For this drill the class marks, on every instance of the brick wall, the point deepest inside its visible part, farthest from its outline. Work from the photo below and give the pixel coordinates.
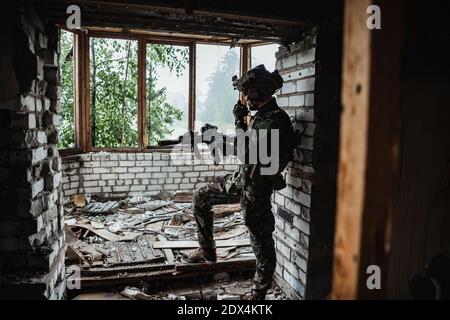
(292, 204)
(305, 210)
(32, 242)
(131, 173)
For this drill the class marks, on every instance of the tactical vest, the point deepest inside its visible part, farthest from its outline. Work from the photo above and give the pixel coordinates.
(250, 171)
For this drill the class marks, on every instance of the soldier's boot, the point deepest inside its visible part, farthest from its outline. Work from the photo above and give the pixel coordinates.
(202, 256)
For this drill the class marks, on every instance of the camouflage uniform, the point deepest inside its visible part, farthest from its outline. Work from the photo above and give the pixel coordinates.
(254, 195)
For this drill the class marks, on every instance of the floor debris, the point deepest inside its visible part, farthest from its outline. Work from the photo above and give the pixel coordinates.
(101, 207)
(140, 237)
(79, 200)
(230, 288)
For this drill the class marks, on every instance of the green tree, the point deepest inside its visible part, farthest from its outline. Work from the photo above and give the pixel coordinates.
(67, 130)
(113, 91)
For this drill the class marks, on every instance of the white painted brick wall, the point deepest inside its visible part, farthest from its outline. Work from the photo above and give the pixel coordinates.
(297, 67)
(132, 173)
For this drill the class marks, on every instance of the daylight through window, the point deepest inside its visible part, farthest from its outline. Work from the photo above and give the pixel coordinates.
(144, 92)
(215, 96)
(113, 92)
(167, 91)
(67, 136)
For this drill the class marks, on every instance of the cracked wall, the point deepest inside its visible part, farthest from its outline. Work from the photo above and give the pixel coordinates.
(32, 242)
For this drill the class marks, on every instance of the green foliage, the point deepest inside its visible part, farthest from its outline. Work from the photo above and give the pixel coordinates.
(67, 130)
(113, 89)
(113, 92)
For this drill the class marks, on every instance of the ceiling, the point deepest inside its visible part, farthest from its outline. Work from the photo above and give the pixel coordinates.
(280, 21)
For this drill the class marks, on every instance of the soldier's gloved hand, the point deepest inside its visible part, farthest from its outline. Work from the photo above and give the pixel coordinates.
(240, 111)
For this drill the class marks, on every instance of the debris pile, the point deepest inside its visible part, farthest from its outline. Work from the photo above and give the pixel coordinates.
(221, 288)
(148, 233)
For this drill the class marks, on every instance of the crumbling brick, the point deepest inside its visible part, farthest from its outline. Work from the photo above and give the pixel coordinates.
(30, 167)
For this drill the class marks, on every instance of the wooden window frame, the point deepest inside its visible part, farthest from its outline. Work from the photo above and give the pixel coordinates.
(76, 97)
(141, 55)
(191, 88)
(82, 84)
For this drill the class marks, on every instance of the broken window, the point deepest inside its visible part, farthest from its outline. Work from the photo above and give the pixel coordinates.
(134, 105)
(67, 137)
(215, 96)
(264, 54)
(113, 92)
(167, 92)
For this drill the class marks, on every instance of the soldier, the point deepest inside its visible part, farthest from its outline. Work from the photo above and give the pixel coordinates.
(248, 185)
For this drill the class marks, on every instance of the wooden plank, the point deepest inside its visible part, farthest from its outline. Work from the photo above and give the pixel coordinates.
(370, 134)
(245, 58)
(142, 91)
(350, 181)
(194, 244)
(83, 73)
(221, 266)
(192, 84)
(114, 270)
(245, 66)
(77, 85)
(127, 236)
(123, 278)
(180, 272)
(169, 256)
(87, 96)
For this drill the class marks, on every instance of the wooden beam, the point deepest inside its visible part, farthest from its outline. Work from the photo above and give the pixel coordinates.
(142, 91)
(369, 147)
(192, 84)
(190, 25)
(77, 90)
(197, 27)
(245, 58)
(194, 244)
(221, 266)
(84, 92)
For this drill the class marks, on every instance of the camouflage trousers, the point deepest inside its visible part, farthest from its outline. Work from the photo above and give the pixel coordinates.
(257, 213)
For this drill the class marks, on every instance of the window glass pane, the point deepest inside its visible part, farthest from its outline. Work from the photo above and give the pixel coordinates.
(113, 92)
(215, 96)
(66, 62)
(264, 55)
(167, 92)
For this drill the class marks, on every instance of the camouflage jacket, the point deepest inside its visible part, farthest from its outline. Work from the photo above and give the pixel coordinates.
(269, 117)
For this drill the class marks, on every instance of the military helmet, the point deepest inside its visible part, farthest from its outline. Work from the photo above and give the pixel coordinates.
(266, 82)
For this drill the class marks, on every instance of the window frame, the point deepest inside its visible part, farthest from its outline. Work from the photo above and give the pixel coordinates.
(82, 83)
(253, 45)
(244, 56)
(191, 76)
(76, 95)
(124, 36)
